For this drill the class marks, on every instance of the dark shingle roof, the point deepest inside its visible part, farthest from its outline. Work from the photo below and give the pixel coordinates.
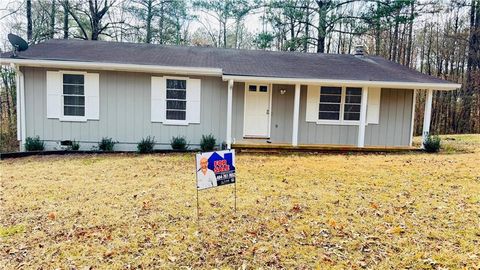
(231, 61)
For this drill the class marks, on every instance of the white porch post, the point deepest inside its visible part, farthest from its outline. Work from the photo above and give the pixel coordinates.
(363, 118)
(427, 115)
(296, 114)
(229, 113)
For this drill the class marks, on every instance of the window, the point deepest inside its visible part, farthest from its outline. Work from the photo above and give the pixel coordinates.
(330, 101)
(353, 100)
(176, 99)
(257, 88)
(73, 95)
(340, 104)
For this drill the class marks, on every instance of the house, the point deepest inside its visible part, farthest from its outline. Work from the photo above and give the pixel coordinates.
(86, 90)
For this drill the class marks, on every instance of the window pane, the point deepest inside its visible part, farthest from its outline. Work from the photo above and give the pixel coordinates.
(252, 88)
(74, 111)
(353, 99)
(354, 91)
(176, 94)
(73, 100)
(263, 88)
(176, 115)
(73, 89)
(331, 90)
(352, 108)
(176, 84)
(328, 115)
(176, 105)
(351, 116)
(329, 107)
(73, 78)
(330, 98)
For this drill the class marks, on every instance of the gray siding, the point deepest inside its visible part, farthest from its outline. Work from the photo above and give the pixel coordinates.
(282, 113)
(394, 128)
(124, 111)
(237, 111)
(312, 133)
(125, 115)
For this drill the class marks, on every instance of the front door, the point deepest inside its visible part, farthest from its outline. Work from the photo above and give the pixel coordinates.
(257, 111)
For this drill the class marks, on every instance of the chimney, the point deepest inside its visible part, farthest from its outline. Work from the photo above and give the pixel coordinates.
(359, 50)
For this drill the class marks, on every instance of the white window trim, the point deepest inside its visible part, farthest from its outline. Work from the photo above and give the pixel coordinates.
(172, 122)
(340, 122)
(73, 118)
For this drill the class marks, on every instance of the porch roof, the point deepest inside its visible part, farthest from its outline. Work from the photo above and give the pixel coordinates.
(226, 62)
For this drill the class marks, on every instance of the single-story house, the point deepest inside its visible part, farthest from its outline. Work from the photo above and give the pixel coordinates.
(86, 90)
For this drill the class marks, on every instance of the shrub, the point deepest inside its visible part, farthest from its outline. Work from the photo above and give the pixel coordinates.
(106, 144)
(432, 144)
(146, 145)
(75, 146)
(208, 143)
(34, 144)
(178, 143)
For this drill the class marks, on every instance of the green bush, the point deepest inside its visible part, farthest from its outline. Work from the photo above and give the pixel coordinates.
(207, 143)
(432, 144)
(146, 145)
(106, 144)
(34, 144)
(178, 143)
(75, 146)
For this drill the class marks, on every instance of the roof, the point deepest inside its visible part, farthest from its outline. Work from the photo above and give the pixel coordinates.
(231, 61)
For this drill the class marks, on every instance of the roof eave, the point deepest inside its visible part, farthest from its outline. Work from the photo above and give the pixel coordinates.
(339, 82)
(200, 71)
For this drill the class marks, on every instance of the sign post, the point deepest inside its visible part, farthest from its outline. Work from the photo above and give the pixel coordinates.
(214, 169)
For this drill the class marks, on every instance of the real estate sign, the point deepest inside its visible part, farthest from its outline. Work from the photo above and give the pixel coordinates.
(215, 168)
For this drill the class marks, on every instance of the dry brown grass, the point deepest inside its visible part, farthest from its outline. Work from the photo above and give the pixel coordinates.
(413, 210)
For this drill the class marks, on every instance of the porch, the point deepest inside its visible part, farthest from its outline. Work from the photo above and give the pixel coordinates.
(285, 119)
(266, 145)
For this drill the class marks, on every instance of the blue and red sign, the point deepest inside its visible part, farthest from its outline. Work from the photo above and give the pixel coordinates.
(215, 168)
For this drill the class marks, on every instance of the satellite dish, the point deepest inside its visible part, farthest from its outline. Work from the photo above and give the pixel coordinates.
(18, 43)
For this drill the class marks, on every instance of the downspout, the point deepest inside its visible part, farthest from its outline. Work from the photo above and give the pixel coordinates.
(20, 89)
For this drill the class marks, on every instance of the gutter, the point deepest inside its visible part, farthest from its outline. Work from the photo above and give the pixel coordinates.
(340, 82)
(114, 66)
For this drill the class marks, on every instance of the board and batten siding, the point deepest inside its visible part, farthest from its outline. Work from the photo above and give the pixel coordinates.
(393, 128)
(125, 113)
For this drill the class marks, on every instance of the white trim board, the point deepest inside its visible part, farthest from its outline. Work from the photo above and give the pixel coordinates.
(115, 67)
(331, 82)
(219, 72)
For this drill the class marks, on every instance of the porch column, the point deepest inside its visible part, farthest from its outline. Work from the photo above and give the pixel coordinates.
(296, 113)
(229, 113)
(363, 118)
(427, 115)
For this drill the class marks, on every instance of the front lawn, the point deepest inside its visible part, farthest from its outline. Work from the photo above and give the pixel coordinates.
(404, 210)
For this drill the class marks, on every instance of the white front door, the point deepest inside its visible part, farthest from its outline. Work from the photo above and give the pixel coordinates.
(257, 111)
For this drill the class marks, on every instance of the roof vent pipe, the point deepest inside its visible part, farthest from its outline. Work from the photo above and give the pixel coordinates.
(359, 50)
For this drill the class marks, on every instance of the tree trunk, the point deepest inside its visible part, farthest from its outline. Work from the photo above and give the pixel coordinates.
(322, 26)
(148, 38)
(52, 19)
(410, 34)
(65, 19)
(29, 20)
(161, 22)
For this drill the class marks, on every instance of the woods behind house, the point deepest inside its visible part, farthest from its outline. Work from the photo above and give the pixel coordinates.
(439, 38)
